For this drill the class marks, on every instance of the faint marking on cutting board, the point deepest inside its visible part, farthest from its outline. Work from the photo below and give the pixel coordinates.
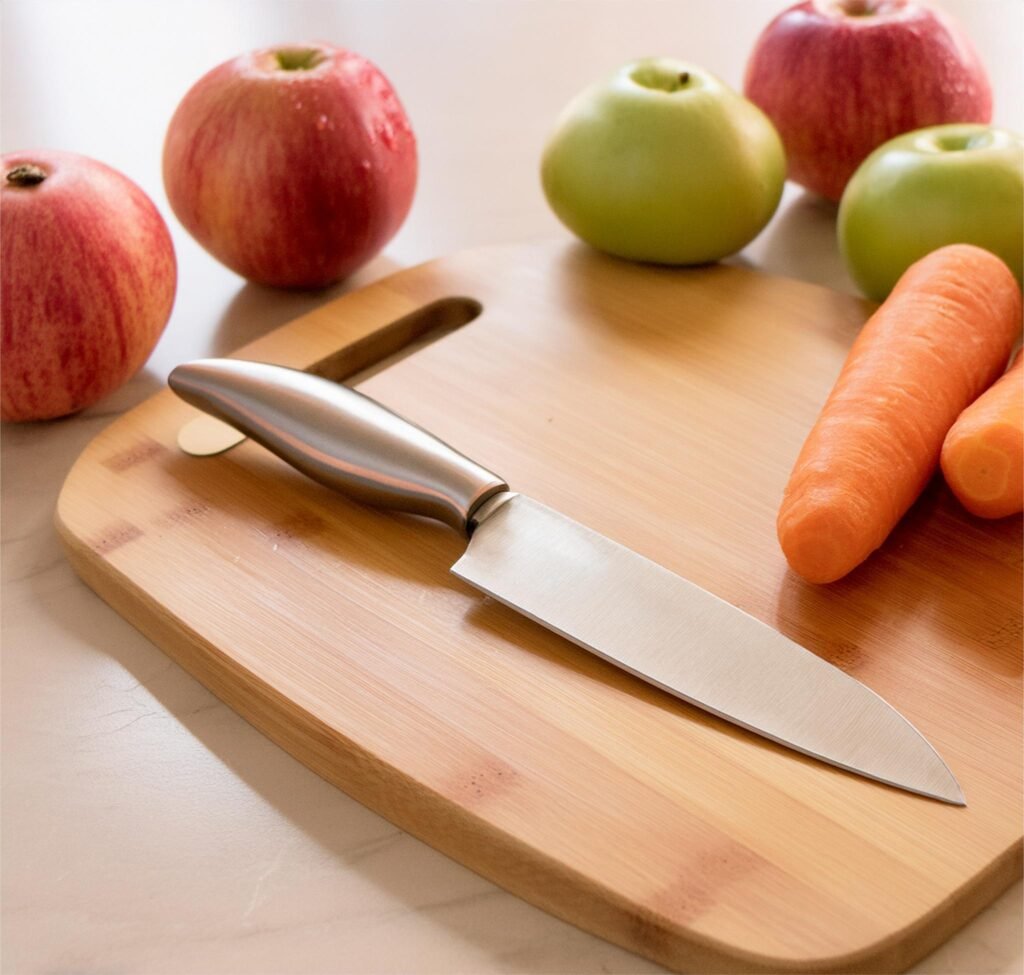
(185, 513)
(703, 885)
(117, 534)
(145, 449)
(486, 781)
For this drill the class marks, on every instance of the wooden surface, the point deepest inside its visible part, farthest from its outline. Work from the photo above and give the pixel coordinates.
(663, 409)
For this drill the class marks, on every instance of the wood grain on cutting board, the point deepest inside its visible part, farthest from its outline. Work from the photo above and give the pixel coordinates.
(663, 408)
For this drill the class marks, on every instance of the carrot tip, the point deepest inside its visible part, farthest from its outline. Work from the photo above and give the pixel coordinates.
(819, 546)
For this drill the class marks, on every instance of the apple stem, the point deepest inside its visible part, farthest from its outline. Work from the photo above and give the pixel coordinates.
(298, 59)
(25, 174)
(660, 78)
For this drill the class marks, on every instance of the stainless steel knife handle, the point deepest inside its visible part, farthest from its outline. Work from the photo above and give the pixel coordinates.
(340, 438)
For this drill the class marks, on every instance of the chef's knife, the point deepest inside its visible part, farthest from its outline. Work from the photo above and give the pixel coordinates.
(602, 596)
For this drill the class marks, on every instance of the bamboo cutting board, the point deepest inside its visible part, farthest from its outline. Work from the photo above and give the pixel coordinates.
(663, 408)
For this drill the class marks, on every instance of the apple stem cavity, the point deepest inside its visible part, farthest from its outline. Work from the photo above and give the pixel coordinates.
(25, 174)
(960, 141)
(864, 8)
(298, 58)
(660, 78)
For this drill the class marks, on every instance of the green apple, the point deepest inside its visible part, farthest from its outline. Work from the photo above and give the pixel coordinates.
(663, 162)
(946, 184)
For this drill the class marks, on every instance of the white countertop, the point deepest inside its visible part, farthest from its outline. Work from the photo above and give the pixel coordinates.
(146, 827)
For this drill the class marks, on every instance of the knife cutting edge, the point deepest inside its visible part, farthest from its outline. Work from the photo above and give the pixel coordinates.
(600, 595)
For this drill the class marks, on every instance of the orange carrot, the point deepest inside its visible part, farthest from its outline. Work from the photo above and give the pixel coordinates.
(941, 337)
(983, 454)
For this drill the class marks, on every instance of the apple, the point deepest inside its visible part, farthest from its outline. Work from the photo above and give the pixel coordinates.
(840, 77)
(939, 185)
(88, 283)
(292, 165)
(663, 162)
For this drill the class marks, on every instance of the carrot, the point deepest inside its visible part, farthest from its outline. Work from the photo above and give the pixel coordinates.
(941, 337)
(983, 454)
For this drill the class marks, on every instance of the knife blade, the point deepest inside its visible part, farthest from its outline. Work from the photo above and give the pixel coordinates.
(600, 595)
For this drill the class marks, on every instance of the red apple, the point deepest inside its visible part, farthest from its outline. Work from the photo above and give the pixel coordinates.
(88, 282)
(840, 77)
(292, 165)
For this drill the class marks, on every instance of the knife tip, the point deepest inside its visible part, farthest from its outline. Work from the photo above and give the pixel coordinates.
(943, 786)
(955, 796)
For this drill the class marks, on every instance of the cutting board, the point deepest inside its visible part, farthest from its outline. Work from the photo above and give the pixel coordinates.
(663, 408)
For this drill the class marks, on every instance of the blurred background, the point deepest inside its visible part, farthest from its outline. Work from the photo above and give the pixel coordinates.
(482, 81)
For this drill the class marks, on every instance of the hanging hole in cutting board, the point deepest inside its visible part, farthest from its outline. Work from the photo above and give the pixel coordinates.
(205, 435)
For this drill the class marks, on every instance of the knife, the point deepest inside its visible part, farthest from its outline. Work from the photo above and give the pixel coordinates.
(597, 593)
